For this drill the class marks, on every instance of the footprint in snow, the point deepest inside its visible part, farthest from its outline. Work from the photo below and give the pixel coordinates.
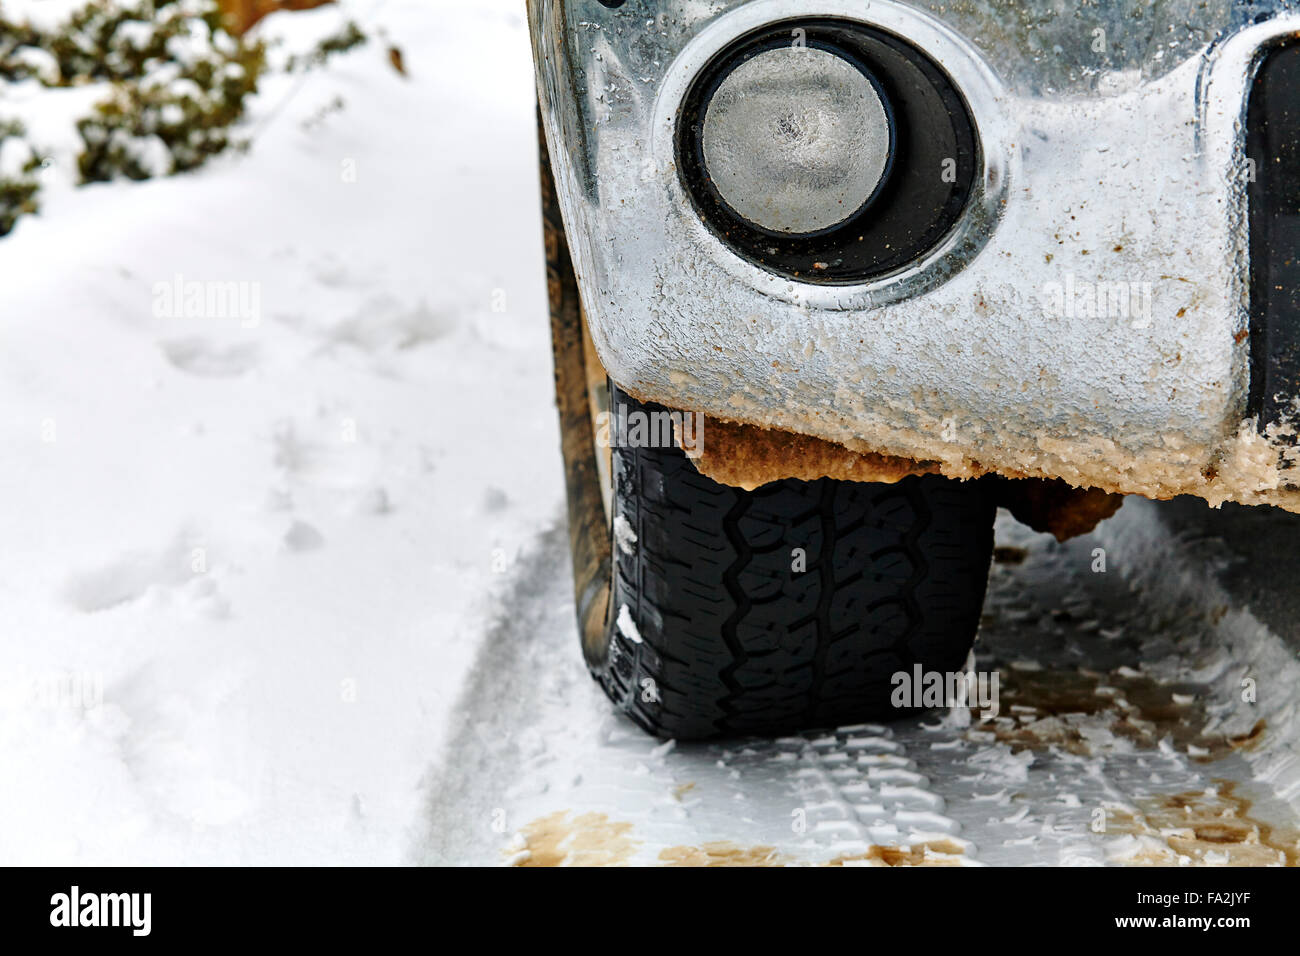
(177, 574)
(200, 357)
(303, 537)
(384, 323)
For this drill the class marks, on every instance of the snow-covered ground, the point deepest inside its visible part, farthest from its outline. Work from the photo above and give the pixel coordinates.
(248, 558)
(289, 584)
(1121, 739)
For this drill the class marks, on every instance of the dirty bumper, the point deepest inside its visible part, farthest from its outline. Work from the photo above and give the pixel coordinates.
(1087, 317)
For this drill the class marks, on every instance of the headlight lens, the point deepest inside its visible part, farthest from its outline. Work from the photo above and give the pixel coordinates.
(796, 139)
(826, 150)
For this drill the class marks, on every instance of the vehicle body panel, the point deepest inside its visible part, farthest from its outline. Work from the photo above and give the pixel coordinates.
(1088, 316)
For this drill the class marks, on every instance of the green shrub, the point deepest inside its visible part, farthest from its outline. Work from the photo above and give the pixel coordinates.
(14, 37)
(170, 115)
(347, 38)
(179, 81)
(18, 184)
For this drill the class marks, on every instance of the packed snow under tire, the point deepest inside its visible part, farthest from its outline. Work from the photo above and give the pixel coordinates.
(728, 612)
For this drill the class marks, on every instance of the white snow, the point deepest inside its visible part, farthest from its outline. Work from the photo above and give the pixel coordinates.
(1177, 577)
(624, 535)
(247, 566)
(41, 13)
(627, 626)
(284, 577)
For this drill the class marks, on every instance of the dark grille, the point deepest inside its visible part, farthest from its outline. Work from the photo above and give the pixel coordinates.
(1273, 146)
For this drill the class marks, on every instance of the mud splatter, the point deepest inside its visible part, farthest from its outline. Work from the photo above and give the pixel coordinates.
(1087, 713)
(722, 853)
(1251, 740)
(748, 456)
(725, 853)
(1213, 827)
(590, 839)
(931, 853)
(1054, 506)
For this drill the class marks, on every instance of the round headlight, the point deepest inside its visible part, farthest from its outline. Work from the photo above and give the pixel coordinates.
(796, 139)
(826, 150)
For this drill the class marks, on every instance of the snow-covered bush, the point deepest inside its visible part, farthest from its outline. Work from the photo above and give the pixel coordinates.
(348, 37)
(168, 122)
(175, 110)
(17, 39)
(178, 80)
(18, 184)
(109, 40)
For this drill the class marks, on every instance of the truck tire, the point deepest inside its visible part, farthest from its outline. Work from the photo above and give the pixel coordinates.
(716, 611)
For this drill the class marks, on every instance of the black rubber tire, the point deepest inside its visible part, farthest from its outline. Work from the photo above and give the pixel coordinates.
(734, 640)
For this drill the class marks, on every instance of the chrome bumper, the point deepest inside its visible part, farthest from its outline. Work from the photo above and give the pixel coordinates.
(1113, 173)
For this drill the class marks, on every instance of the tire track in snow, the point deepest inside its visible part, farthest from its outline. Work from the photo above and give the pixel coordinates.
(1091, 760)
(865, 793)
(536, 737)
(516, 675)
